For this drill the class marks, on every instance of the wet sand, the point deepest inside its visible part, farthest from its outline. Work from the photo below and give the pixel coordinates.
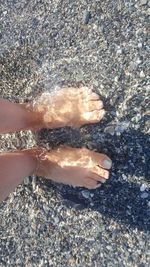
(104, 44)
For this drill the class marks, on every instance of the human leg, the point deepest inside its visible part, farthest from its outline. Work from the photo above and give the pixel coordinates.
(78, 167)
(14, 166)
(16, 117)
(67, 107)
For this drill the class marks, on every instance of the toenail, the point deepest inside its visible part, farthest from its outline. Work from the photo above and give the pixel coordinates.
(107, 163)
(101, 104)
(103, 112)
(98, 185)
(103, 181)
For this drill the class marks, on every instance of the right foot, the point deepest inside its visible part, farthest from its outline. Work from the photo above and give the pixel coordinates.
(68, 107)
(78, 167)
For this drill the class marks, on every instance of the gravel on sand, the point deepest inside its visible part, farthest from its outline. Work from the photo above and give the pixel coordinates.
(104, 44)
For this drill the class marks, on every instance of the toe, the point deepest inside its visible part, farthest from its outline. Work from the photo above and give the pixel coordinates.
(93, 116)
(102, 160)
(92, 96)
(94, 105)
(97, 178)
(91, 184)
(100, 172)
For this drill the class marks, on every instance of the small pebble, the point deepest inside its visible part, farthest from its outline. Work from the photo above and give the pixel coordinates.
(143, 187)
(142, 74)
(5, 12)
(119, 51)
(148, 11)
(56, 220)
(142, 2)
(71, 261)
(86, 17)
(46, 208)
(140, 45)
(116, 78)
(108, 247)
(110, 129)
(147, 88)
(95, 82)
(26, 180)
(79, 77)
(90, 145)
(144, 195)
(85, 193)
(148, 253)
(138, 61)
(122, 126)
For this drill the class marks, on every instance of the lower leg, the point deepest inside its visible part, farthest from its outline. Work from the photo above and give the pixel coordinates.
(15, 117)
(73, 166)
(13, 168)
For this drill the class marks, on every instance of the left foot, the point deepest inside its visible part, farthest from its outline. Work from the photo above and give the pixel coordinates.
(74, 166)
(69, 107)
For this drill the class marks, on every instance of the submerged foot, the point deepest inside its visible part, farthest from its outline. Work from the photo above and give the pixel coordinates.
(74, 166)
(69, 107)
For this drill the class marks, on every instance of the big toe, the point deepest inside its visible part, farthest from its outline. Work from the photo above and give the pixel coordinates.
(102, 160)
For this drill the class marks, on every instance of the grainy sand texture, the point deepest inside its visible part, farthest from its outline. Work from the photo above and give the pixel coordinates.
(45, 44)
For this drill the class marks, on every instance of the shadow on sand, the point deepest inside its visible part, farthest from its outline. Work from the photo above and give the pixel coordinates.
(120, 198)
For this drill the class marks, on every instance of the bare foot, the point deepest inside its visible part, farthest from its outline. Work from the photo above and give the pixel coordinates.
(74, 166)
(69, 107)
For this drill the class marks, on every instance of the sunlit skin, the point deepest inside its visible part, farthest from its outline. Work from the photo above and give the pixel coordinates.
(73, 166)
(72, 107)
(68, 107)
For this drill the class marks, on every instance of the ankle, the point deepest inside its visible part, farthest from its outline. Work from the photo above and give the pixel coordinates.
(39, 155)
(35, 154)
(34, 119)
